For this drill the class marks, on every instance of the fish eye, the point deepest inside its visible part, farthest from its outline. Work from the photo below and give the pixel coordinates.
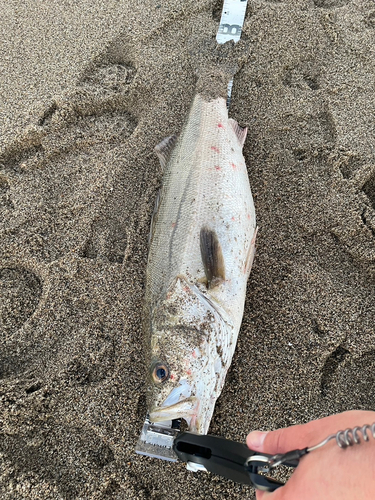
(160, 373)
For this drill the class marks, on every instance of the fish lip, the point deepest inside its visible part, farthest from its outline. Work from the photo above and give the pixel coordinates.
(185, 408)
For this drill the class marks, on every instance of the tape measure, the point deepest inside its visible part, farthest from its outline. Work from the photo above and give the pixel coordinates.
(231, 22)
(230, 28)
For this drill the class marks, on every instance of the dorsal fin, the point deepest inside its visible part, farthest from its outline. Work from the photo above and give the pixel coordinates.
(240, 132)
(212, 257)
(164, 149)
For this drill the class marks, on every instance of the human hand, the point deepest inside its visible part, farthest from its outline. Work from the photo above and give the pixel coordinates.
(328, 473)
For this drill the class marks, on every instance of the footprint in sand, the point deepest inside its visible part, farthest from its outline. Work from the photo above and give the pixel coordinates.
(5, 201)
(330, 4)
(370, 20)
(56, 183)
(351, 375)
(344, 191)
(369, 188)
(90, 359)
(359, 182)
(305, 75)
(109, 78)
(330, 367)
(20, 292)
(368, 212)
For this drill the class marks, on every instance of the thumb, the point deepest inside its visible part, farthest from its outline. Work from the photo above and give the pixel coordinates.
(279, 441)
(310, 434)
(283, 440)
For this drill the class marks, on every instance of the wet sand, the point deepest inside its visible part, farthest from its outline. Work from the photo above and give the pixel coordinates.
(86, 94)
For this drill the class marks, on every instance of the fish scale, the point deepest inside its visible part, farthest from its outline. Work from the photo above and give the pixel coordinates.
(195, 193)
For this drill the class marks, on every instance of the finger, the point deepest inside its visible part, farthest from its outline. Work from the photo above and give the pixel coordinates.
(300, 436)
(261, 495)
(275, 495)
(255, 440)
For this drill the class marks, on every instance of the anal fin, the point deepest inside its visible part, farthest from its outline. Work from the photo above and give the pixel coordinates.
(154, 216)
(240, 132)
(212, 257)
(251, 252)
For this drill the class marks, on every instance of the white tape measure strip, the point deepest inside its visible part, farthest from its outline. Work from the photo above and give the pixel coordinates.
(231, 23)
(232, 19)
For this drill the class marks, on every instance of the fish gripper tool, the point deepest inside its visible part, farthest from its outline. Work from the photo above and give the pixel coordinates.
(237, 462)
(226, 458)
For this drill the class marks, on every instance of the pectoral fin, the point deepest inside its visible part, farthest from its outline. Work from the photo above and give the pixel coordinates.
(164, 149)
(212, 257)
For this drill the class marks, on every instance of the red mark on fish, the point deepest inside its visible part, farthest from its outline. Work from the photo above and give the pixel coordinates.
(220, 125)
(233, 166)
(214, 148)
(217, 167)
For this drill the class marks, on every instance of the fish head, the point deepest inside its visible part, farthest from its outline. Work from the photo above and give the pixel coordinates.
(189, 358)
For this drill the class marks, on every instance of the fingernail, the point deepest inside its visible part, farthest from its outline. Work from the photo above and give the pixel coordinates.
(255, 439)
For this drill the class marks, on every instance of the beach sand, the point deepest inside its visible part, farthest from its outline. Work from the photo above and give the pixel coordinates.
(87, 91)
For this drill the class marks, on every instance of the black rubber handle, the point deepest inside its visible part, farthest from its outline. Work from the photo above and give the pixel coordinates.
(218, 455)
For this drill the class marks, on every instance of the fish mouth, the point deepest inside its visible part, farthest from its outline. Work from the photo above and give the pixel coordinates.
(187, 408)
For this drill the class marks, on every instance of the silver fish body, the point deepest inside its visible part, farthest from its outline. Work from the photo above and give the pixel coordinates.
(202, 244)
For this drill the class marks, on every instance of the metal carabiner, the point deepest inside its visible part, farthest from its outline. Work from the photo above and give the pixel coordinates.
(258, 466)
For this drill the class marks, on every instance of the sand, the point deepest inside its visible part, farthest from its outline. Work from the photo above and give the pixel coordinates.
(87, 91)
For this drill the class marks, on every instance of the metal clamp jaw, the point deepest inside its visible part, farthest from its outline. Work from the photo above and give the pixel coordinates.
(258, 466)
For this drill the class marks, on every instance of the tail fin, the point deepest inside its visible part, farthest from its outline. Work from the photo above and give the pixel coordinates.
(215, 65)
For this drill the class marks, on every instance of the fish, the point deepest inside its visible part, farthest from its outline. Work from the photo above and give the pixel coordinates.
(201, 250)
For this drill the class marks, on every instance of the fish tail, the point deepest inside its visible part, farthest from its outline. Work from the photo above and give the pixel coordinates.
(214, 65)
